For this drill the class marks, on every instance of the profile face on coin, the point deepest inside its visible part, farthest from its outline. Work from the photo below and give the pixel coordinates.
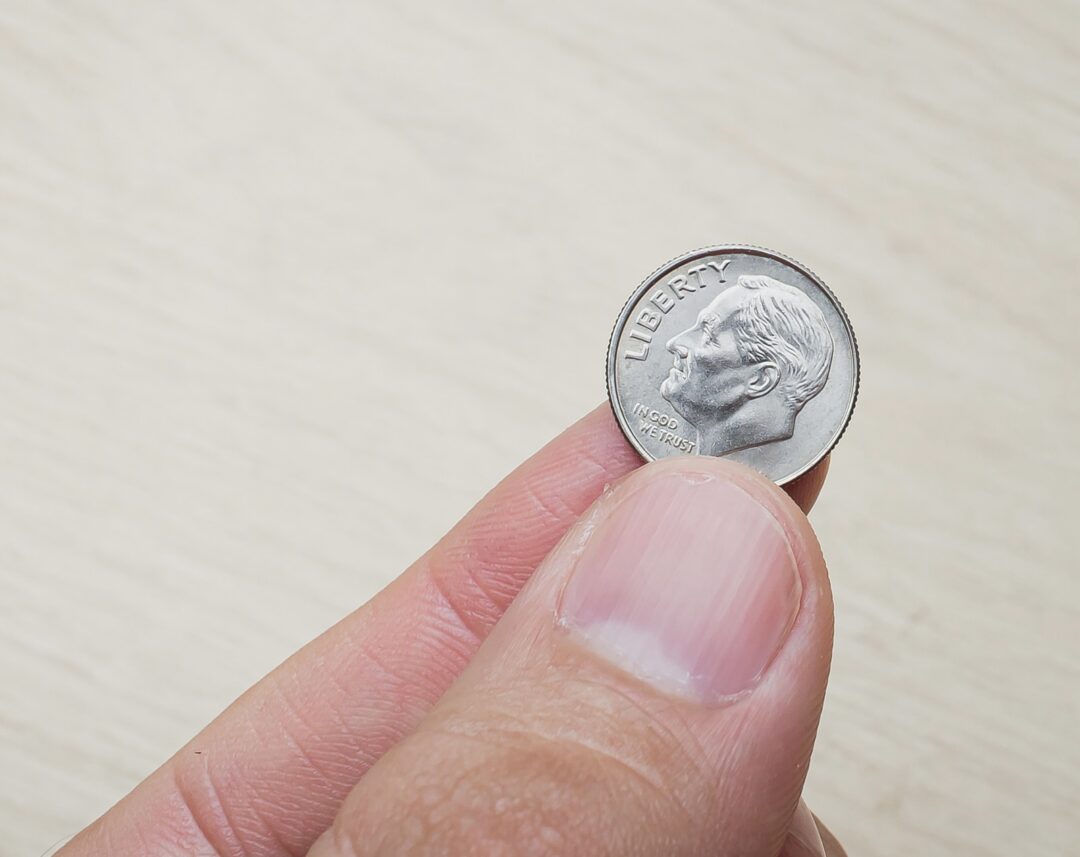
(736, 352)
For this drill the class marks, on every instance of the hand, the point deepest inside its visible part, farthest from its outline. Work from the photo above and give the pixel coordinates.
(654, 690)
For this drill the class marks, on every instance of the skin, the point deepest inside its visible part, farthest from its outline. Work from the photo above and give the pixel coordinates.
(358, 741)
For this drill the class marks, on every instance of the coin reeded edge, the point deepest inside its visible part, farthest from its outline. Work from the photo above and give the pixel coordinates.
(751, 249)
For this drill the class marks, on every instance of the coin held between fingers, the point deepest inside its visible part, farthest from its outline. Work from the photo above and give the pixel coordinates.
(737, 352)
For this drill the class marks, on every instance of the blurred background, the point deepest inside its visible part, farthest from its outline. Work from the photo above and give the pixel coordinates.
(287, 287)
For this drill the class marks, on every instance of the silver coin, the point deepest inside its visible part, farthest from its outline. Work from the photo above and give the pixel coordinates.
(737, 352)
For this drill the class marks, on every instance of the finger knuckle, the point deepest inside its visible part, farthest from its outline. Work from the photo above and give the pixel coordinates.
(544, 782)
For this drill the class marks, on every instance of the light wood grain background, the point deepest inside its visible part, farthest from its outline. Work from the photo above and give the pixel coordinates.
(287, 286)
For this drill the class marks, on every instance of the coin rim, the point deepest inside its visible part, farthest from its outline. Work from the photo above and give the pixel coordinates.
(670, 265)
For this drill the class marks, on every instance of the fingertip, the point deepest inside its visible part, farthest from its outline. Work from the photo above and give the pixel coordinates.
(804, 839)
(832, 845)
(805, 489)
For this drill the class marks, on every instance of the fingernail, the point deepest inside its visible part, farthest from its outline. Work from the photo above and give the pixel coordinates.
(689, 584)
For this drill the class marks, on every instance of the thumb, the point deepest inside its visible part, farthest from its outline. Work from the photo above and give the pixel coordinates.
(654, 690)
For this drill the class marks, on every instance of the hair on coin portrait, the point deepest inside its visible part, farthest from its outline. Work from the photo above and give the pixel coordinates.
(752, 360)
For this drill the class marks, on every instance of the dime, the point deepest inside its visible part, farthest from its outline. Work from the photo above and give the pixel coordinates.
(737, 352)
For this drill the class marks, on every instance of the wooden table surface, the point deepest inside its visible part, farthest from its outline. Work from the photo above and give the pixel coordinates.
(286, 287)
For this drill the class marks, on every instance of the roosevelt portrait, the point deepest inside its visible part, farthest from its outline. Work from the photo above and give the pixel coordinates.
(755, 356)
